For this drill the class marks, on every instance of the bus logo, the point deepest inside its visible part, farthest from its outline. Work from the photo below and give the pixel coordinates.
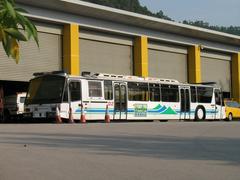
(140, 110)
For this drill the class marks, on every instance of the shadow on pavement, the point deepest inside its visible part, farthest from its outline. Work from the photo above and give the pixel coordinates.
(163, 147)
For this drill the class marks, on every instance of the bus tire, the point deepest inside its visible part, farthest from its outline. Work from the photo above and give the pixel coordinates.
(6, 116)
(200, 113)
(230, 117)
(1, 117)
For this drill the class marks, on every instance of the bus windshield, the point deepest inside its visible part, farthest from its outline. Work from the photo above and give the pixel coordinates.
(45, 90)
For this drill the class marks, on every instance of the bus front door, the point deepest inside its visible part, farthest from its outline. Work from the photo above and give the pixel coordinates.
(218, 104)
(75, 98)
(120, 101)
(185, 103)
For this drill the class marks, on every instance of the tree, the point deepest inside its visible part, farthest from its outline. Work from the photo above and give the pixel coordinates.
(14, 27)
(231, 29)
(135, 6)
(130, 5)
(161, 15)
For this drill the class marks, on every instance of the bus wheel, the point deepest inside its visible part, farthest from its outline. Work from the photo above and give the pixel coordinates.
(1, 118)
(200, 113)
(230, 117)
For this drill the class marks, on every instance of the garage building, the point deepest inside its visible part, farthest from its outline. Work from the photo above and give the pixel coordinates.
(77, 36)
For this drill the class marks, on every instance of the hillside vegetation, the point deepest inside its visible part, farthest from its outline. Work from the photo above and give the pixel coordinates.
(135, 6)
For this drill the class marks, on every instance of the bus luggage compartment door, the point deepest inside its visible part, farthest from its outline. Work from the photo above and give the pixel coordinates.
(120, 101)
(185, 103)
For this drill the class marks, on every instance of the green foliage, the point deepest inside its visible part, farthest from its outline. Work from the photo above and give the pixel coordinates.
(231, 29)
(134, 6)
(14, 27)
(130, 5)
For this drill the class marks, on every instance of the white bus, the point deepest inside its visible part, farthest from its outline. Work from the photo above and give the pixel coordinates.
(122, 97)
(14, 105)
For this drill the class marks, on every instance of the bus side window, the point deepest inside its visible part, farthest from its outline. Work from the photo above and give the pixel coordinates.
(108, 90)
(137, 91)
(169, 93)
(218, 97)
(204, 94)
(95, 89)
(75, 90)
(193, 94)
(154, 92)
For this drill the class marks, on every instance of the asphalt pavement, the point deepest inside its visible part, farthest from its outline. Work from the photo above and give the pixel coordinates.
(120, 151)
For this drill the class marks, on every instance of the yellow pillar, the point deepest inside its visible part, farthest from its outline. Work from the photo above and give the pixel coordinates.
(236, 76)
(194, 64)
(141, 56)
(71, 61)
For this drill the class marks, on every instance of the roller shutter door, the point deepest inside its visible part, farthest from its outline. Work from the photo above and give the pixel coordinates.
(48, 57)
(167, 61)
(104, 53)
(216, 68)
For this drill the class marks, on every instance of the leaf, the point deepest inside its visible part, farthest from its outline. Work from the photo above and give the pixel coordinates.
(4, 17)
(31, 27)
(20, 10)
(10, 9)
(29, 33)
(21, 20)
(2, 11)
(4, 36)
(15, 51)
(28, 27)
(0, 36)
(10, 1)
(7, 44)
(16, 34)
(11, 20)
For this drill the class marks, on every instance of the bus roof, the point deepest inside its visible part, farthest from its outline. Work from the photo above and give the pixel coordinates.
(116, 77)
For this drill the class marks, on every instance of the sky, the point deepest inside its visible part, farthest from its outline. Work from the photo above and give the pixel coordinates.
(216, 12)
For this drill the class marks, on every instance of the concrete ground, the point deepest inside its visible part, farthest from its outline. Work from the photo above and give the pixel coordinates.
(120, 151)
